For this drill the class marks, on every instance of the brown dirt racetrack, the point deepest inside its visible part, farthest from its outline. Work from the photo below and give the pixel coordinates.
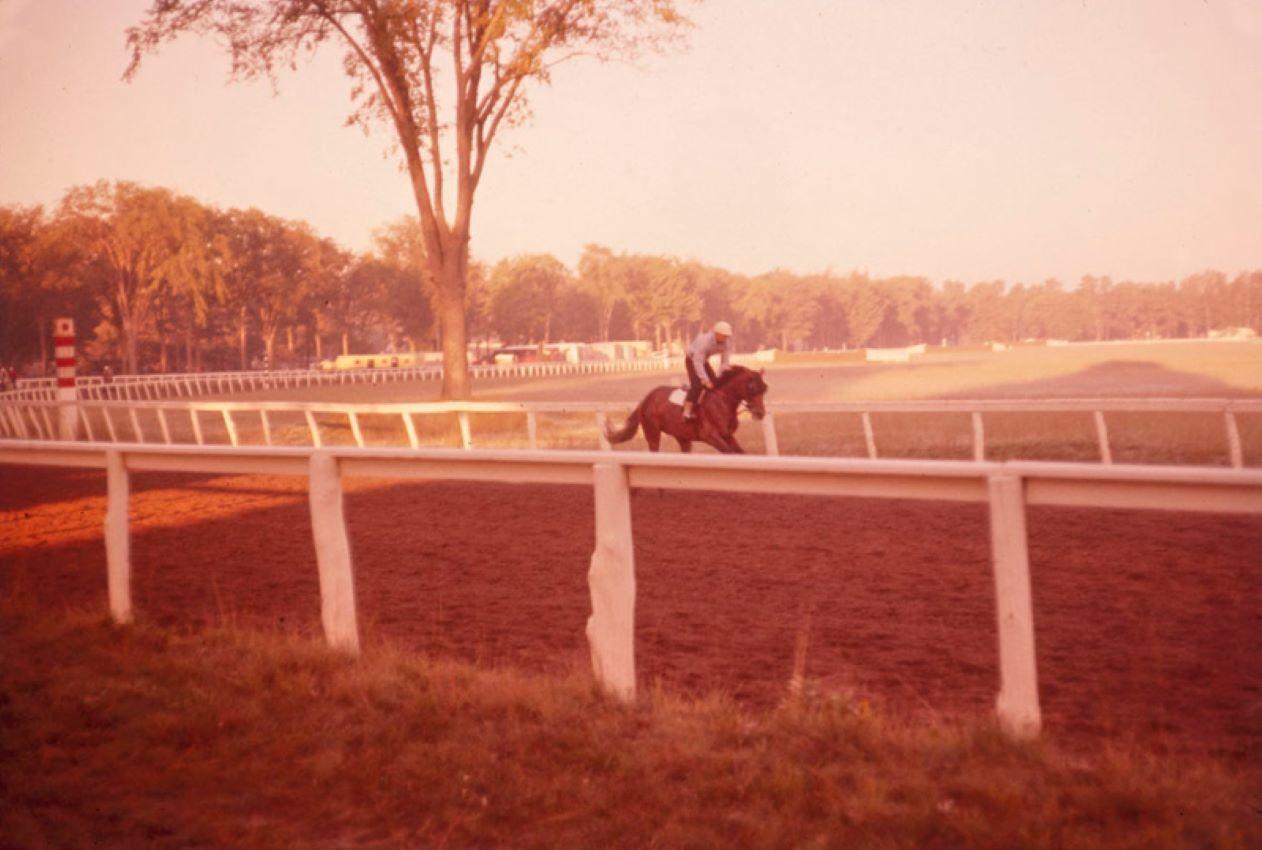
(1149, 624)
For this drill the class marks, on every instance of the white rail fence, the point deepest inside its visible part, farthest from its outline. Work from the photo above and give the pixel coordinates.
(1006, 487)
(193, 384)
(153, 422)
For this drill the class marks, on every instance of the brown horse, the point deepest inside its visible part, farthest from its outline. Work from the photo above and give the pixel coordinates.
(716, 413)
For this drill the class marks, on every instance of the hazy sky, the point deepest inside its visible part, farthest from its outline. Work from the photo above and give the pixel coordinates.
(967, 140)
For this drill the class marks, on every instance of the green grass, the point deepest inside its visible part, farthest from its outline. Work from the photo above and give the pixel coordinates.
(128, 737)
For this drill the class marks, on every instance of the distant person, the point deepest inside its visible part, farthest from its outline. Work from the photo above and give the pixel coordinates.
(697, 363)
(107, 374)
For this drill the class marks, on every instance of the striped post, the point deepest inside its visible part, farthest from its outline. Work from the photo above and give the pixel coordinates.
(63, 351)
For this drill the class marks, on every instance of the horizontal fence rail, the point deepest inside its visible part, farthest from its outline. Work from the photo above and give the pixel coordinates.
(1006, 487)
(152, 421)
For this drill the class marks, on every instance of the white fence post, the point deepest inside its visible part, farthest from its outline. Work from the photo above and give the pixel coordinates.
(466, 436)
(333, 554)
(868, 437)
(532, 429)
(611, 580)
(117, 538)
(1017, 705)
(769, 434)
(1233, 440)
(979, 437)
(1102, 435)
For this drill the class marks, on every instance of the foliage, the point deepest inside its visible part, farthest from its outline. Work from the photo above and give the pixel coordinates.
(155, 279)
(444, 76)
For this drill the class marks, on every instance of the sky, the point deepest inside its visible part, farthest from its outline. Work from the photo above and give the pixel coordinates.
(960, 140)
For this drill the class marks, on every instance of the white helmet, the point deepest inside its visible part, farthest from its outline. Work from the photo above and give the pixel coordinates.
(723, 328)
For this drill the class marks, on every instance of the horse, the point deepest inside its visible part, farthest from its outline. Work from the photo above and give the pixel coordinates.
(715, 422)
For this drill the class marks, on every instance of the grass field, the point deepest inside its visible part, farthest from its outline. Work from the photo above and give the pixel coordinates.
(122, 738)
(1189, 370)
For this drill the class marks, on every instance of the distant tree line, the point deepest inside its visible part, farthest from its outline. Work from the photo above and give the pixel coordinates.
(160, 281)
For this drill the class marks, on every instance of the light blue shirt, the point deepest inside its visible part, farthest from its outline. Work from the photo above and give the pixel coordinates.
(704, 347)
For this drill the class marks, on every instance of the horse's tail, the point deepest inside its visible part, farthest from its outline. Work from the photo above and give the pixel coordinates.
(628, 429)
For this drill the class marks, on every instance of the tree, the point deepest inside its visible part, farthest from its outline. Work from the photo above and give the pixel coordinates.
(398, 52)
(864, 304)
(37, 281)
(525, 294)
(133, 236)
(598, 277)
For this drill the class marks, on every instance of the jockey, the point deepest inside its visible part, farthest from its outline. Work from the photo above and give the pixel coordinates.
(697, 363)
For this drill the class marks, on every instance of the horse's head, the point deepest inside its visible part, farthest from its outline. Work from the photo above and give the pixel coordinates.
(752, 388)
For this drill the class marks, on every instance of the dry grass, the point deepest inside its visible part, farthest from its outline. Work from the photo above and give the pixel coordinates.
(138, 737)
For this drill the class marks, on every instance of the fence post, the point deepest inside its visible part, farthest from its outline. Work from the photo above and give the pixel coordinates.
(231, 426)
(355, 430)
(313, 428)
(868, 436)
(67, 390)
(532, 429)
(1233, 440)
(466, 437)
(117, 538)
(769, 434)
(1017, 705)
(1102, 435)
(979, 437)
(333, 554)
(611, 580)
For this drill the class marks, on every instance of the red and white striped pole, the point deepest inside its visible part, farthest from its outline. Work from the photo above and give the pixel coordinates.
(63, 350)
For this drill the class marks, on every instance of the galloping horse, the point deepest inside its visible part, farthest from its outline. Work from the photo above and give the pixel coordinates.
(716, 413)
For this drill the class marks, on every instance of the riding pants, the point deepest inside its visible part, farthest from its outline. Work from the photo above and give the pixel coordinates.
(695, 386)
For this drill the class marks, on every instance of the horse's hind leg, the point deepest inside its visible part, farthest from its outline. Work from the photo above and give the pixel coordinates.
(733, 445)
(685, 446)
(652, 434)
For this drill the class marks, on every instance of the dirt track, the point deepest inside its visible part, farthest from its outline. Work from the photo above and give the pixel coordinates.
(1147, 623)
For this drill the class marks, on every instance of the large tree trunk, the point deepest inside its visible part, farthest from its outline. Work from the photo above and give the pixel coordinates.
(451, 322)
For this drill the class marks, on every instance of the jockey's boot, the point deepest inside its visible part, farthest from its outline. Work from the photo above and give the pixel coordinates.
(689, 412)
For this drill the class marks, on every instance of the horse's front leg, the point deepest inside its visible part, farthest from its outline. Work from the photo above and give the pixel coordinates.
(719, 441)
(734, 446)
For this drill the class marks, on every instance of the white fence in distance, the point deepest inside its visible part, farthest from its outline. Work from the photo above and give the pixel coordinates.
(171, 385)
(1006, 487)
(124, 422)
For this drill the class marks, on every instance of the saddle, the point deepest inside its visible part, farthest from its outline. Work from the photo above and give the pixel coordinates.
(680, 394)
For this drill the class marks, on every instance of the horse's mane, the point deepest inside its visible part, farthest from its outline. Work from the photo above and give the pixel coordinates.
(727, 376)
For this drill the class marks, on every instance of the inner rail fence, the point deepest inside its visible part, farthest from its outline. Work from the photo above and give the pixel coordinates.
(1007, 488)
(239, 423)
(169, 385)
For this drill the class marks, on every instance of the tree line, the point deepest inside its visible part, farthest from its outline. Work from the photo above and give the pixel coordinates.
(159, 281)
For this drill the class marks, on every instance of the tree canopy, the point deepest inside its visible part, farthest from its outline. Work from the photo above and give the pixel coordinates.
(158, 280)
(445, 76)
